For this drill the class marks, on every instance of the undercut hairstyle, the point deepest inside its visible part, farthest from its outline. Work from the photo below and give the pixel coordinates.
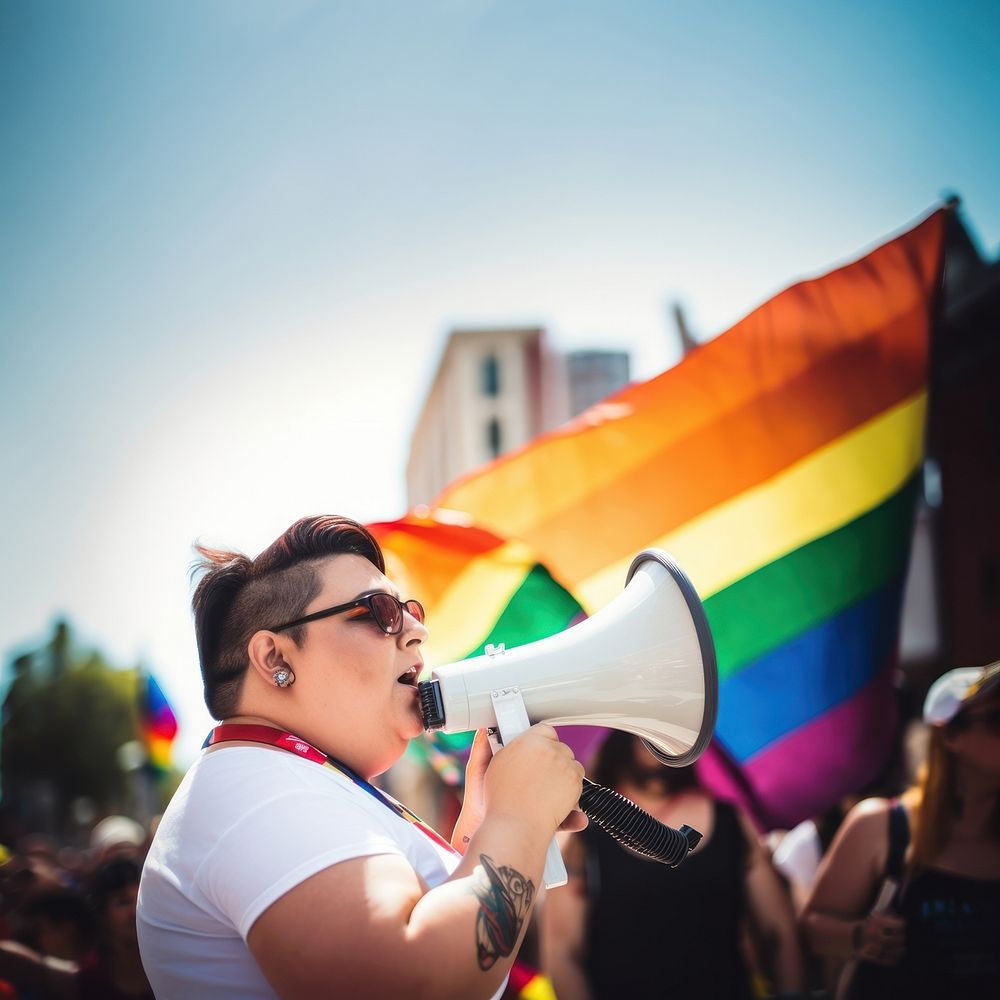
(238, 596)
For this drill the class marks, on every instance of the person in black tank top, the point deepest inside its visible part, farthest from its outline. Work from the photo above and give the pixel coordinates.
(934, 860)
(629, 927)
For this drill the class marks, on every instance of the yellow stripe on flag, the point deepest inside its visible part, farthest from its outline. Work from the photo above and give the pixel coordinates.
(479, 594)
(811, 498)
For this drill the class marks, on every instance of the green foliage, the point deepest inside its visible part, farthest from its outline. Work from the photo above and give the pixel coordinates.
(65, 715)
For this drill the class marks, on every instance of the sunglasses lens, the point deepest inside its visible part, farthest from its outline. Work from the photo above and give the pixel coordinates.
(387, 613)
(416, 609)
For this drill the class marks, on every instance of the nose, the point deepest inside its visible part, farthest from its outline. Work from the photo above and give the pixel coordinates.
(413, 632)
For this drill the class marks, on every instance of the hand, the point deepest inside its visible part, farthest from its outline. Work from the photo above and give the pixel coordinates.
(536, 777)
(880, 938)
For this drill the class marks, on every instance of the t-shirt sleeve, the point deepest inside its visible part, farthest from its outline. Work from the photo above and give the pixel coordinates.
(282, 841)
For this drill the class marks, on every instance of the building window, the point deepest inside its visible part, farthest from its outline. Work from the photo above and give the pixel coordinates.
(494, 437)
(490, 372)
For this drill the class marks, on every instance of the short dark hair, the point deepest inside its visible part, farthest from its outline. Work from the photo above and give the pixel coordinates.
(236, 596)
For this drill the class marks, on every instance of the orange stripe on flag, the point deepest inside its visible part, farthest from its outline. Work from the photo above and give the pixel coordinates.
(816, 361)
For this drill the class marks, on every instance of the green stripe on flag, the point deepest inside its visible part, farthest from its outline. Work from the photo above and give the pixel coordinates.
(811, 584)
(539, 607)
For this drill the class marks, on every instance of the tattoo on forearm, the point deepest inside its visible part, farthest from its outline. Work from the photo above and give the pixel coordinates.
(505, 897)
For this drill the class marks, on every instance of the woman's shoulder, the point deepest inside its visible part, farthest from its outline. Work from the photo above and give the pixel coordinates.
(862, 840)
(868, 814)
(232, 784)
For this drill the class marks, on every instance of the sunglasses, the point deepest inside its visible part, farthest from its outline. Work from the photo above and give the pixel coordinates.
(990, 719)
(386, 610)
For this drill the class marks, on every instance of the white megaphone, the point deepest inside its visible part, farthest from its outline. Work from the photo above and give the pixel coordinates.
(644, 664)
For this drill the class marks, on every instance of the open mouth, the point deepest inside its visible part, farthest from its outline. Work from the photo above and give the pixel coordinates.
(409, 676)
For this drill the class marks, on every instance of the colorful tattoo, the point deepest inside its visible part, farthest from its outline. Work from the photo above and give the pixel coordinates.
(505, 897)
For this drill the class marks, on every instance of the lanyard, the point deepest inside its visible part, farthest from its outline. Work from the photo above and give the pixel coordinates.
(229, 732)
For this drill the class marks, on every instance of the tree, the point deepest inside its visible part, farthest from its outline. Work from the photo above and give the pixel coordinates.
(64, 717)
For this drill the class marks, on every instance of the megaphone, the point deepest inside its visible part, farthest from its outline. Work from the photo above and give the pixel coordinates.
(644, 664)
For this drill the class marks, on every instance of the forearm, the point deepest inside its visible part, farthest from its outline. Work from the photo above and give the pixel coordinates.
(473, 924)
(28, 970)
(788, 967)
(466, 826)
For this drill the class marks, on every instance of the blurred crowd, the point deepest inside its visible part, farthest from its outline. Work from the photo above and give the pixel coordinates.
(67, 916)
(895, 891)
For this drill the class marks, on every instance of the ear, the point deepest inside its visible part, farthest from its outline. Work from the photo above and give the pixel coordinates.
(266, 652)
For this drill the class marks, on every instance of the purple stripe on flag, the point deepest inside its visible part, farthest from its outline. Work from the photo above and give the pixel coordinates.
(849, 746)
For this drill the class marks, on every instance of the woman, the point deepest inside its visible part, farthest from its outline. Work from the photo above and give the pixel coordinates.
(278, 869)
(938, 934)
(628, 927)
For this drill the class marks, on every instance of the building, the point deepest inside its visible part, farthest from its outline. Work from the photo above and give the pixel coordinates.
(495, 390)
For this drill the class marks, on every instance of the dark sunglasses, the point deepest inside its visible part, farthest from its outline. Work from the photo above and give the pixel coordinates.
(990, 719)
(384, 608)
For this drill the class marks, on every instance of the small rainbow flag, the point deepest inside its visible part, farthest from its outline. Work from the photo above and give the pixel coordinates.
(157, 723)
(778, 464)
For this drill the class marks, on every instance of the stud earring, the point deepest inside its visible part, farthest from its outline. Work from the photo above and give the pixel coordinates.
(283, 677)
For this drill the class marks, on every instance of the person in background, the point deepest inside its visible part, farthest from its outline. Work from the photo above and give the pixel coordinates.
(110, 971)
(279, 868)
(57, 922)
(117, 837)
(629, 927)
(909, 892)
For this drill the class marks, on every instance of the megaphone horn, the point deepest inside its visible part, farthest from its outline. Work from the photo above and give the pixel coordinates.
(644, 664)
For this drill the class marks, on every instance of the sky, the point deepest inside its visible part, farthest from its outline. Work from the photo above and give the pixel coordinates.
(234, 236)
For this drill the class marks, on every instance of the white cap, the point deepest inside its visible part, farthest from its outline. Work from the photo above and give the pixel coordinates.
(958, 689)
(115, 830)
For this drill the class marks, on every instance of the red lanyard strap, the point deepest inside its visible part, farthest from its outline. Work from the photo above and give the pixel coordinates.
(234, 731)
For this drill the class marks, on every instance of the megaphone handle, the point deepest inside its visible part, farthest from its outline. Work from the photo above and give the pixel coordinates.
(512, 720)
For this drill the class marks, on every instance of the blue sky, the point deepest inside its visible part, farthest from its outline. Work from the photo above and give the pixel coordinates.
(234, 235)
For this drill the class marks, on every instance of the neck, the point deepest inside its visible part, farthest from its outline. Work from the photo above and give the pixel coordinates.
(274, 723)
(646, 791)
(253, 720)
(127, 970)
(978, 794)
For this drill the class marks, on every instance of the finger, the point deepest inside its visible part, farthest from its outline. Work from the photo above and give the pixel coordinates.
(574, 822)
(481, 751)
(544, 729)
(888, 920)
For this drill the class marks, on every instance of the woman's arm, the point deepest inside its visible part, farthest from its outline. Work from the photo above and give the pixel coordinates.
(40, 975)
(771, 910)
(562, 926)
(835, 921)
(372, 927)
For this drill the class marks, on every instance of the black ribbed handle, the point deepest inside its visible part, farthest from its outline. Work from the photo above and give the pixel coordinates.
(634, 828)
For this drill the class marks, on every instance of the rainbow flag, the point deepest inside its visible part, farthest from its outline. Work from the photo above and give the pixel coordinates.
(157, 723)
(778, 464)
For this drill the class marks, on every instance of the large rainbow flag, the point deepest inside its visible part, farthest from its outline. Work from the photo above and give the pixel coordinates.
(778, 464)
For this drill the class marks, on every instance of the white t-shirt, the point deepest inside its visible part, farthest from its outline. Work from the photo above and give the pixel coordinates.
(246, 825)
